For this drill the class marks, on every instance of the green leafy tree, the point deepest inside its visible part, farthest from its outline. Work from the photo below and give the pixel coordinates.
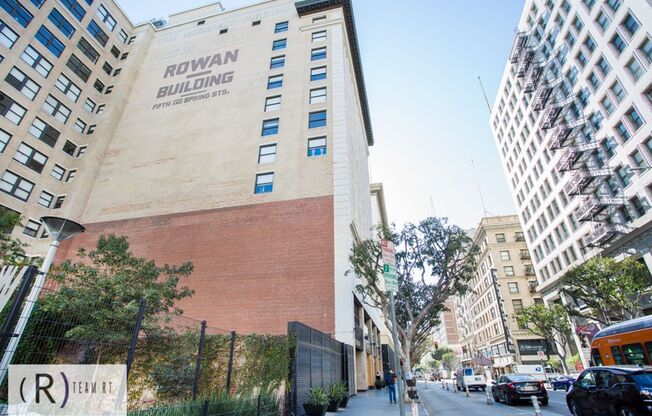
(611, 289)
(552, 324)
(11, 249)
(449, 361)
(435, 261)
(438, 353)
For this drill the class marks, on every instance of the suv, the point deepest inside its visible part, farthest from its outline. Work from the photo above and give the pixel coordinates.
(612, 390)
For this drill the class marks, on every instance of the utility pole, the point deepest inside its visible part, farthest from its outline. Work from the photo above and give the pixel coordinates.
(397, 362)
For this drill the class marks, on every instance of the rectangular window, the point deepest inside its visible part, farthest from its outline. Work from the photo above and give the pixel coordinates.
(78, 67)
(17, 11)
(56, 109)
(44, 132)
(267, 154)
(617, 355)
(635, 69)
(618, 91)
(281, 27)
(107, 68)
(275, 81)
(317, 74)
(106, 17)
(618, 43)
(69, 148)
(273, 103)
(17, 79)
(590, 44)
(279, 44)
(99, 85)
(34, 59)
(97, 32)
(319, 19)
(513, 287)
(30, 157)
(277, 62)
(58, 172)
(318, 54)
(635, 118)
(11, 110)
(61, 23)
(603, 20)
(32, 228)
(89, 105)
(318, 95)
(88, 50)
(638, 159)
(614, 4)
(75, 8)
(317, 146)
(4, 140)
(630, 24)
(123, 36)
(646, 50)
(509, 270)
(50, 41)
(7, 36)
(500, 238)
(67, 87)
(38, 3)
(317, 119)
(517, 304)
(264, 183)
(608, 105)
(16, 186)
(45, 199)
(624, 174)
(80, 125)
(604, 66)
(270, 127)
(504, 255)
(319, 36)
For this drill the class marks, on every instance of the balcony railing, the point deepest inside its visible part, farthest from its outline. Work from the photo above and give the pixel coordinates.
(533, 78)
(532, 285)
(529, 270)
(524, 64)
(568, 159)
(602, 234)
(520, 42)
(519, 237)
(591, 208)
(524, 254)
(584, 181)
(541, 98)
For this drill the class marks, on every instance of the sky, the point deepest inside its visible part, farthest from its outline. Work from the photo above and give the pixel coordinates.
(421, 61)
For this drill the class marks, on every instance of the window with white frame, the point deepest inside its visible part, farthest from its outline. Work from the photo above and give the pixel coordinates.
(17, 79)
(509, 270)
(89, 105)
(504, 255)
(273, 103)
(56, 109)
(45, 199)
(317, 146)
(4, 140)
(11, 110)
(513, 287)
(7, 36)
(319, 36)
(66, 86)
(106, 17)
(264, 183)
(34, 59)
(58, 172)
(318, 95)
(32, 228)
(44, 132)
(267, 154)
(16, 186)
(30, 157)
(80, 125)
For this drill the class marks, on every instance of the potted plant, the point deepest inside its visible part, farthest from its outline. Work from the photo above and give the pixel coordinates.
(336, 393)
(317, 401)
(345, 394)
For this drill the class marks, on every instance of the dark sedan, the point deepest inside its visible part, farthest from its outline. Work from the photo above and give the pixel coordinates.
(612, 391)
(562, 383)
(511, 388)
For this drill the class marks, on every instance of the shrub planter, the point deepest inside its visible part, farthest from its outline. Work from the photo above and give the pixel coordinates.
(344, 402)
(333, 405)
(314, 410)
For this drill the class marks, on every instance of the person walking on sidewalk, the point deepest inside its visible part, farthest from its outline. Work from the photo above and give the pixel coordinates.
(390, 382)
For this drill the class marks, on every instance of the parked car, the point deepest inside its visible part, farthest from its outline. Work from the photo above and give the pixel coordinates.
(511, 388)
(562, 382)
(473, 378)
(612, 390)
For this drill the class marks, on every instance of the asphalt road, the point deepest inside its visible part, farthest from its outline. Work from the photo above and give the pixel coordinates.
(444, 402)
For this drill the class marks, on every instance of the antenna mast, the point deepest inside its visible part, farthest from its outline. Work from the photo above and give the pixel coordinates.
(484, 93)
(477, 182)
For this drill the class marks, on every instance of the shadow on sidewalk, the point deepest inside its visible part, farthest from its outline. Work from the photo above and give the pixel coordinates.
(374, 403)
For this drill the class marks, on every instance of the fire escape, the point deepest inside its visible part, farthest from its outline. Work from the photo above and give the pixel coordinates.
(565, 127)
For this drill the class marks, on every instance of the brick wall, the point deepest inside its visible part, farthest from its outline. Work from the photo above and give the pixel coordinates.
(256, 267)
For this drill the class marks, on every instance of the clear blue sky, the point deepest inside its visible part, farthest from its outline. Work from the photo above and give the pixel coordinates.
(421, 60)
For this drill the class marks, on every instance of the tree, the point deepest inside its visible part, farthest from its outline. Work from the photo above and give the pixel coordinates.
(611, 289)
(551, 324)
(434, 261)
(11, 249)
(438, 353)
(449, 361)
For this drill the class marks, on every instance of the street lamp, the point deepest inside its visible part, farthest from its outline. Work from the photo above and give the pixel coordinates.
(59, 229)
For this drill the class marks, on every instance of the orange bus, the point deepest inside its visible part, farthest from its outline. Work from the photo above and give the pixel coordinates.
(628, 342)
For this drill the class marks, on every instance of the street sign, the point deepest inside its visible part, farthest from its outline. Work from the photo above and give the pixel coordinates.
(541, 354)
(389, 265)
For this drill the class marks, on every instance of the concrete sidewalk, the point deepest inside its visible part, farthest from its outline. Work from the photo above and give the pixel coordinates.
(376, 403)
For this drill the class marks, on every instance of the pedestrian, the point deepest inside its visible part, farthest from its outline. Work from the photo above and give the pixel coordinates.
(379, 381)
(390, 382)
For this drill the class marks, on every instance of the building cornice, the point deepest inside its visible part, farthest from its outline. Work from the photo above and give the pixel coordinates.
(306, 7)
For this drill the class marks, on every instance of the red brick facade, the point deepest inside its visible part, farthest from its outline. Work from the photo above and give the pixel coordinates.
(256, 267)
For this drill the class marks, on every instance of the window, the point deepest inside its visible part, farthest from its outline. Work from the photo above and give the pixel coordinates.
(61, 23)
(44, 132)
(624, 174)
(589, 4)
(123, 36)
(635, 69)
(517, 304)
(88, 50)
(318, 95)
(34, 59)
(513, 287)
(11, 110)
(614, 4)
(500, 238)
(273, 103)
(58, 172)
(30, 157)
(317, 119)
(509, 270)
(646, 50)
(223, 31)
(75, 8)
(264, 183)
(89, 105)
(124, 56)
(67, 87)
(504, 255)
(319, 36)
(317, 146)
(638, 159)
(106, 17)
(604, 66)
(590, 44)
(17, 79)
(45, 199)
(279, 44)
(71, 176)
(317, 74)
(116, 72)
(7, 36)
(267, 154)
(4, 140)
(277, 62)
(91, 129)
(69, 148)
(603, 20)
(319, 19)
(99, 85)
(255, 23)
(635, 118)
(97, 32)
(594, 81)
(50, 41)
(56, 109)
(107, 68)
(17, 11)
(78, 67)
(617, 355)
(317, 54)
(608, 105)
(630, 24)
(38, 3)
(16, 186)
(275, 81)
(281, 27)
(80, 125)
(618, 43)
(59, 203)
(270, 127)
(32, 228)
(618, 91)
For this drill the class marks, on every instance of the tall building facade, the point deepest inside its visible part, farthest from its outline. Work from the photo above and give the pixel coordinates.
(234, 139)
(503, 285)
(447, 333)
(572, 125)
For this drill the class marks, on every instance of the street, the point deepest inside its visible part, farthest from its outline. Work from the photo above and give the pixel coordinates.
(444, 402)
